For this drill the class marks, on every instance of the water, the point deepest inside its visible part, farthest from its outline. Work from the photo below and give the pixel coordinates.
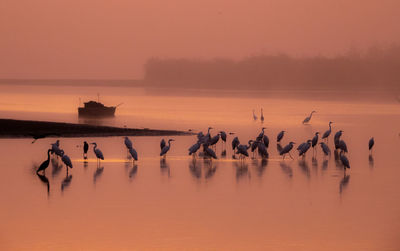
(178, 204)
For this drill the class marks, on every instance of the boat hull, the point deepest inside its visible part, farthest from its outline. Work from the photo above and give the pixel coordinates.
(96, 112)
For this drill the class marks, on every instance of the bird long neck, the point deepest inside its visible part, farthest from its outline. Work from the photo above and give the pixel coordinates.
(169, 143)
(311, 115)
(330, 127)
(48, 155)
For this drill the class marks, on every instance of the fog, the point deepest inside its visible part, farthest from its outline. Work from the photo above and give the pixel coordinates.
(99, 39)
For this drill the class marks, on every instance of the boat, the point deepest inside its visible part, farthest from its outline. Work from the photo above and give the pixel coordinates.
(96, 109)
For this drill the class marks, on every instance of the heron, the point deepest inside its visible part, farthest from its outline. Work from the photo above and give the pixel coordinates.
(85, 149)
(325, 149)
(200, 135)
(97, 152)
(345, 162)
(223, 137)
(287, 149)
(128, 143)
(194, 148)
(242, 150)
(262, 150)
(166, 148)
(342, 146)
(314, 140)
(262, 116)
(328, 132)
(209, 152)
(235, 143)
(336, 138)
(266, 140)
(254, 146)
(214, 140)
(56, 150)
(45, 163)
(307, 119)
(254, 116)
(162, 143)
(303, 150)
(371, 144)
(67, 161)
(261, 135)
(133, 153)
(280, 136)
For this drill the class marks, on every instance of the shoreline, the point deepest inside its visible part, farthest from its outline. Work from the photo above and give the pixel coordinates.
(12, 128)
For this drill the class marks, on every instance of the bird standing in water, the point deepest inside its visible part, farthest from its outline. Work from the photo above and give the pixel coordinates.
(166, 148)
(98, 153)
(262, 116)
(307, 119)
(85, 149)
(328, 132)
(371, 144)
(45, 163)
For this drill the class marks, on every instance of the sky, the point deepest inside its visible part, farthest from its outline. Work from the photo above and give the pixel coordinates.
(103, 39)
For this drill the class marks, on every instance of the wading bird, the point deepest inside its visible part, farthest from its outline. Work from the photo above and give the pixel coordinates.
(345, 162)
(287, 149)
(98, 153)
(242, 150)
(336, 138)
(280, 136)
(254, 116)
(328, 132)
(303, 150)
(67, 161)
(45, 163)
(235, 143)
(342, 146)
(85, 149)
(262, 116)
(128, 143)
(162, 142)
(194, 148)
(166, 148)
(133, 153)
(325, 149)
(307, 119)
(209, 152)
(371, 143)
(262, 150)
(314, 140)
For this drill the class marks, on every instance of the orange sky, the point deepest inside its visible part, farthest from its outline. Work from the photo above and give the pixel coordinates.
(113, 39)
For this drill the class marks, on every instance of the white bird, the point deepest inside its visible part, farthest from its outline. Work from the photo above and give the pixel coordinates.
(166, 148)
(307, 119)
(97, 152)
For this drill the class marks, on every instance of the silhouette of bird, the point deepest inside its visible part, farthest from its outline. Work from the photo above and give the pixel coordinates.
(261, 135)
(235, 143)
(307, 119)
(128, 143)
(262, 150)
(314, 140)
(287, 149)
(325, 149)
(280, 136)
(67, 161)
(166, 148)
(223, 135)
(342, 146)
(336, 139)
(85, 149)
(242, 149)
(45, 163)
(266, 140)
(303, 150)
(214, 140)
(345, 162)
(133, 153)
(328, 132)
(254, 116)
(163, 144)
(97, 152)
(262, 116)
(209, 152)
(194, 148)
(371, 143)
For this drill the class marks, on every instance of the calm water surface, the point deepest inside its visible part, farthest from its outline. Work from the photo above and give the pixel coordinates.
(180, 204)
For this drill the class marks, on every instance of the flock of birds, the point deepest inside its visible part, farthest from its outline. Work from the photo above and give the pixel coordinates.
(206, 142)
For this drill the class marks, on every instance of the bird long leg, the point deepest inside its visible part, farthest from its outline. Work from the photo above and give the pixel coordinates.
(284, 156)
(290, 155)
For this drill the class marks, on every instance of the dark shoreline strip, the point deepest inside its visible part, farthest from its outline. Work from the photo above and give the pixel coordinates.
(10, 128)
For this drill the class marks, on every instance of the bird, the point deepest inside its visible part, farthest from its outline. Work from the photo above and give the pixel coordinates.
(85, 149)
(328, 132)
(314, 140)
(194, 148)
(336, 138)
(261, 135)
(342, 146)
(262, 116)
(45, 163)
(280, 136)
(133, 153)
(242, 149)
(166, 148)
(209, 152)
(214, 140)
(345, 162)
(162, 142)
(371, 143)
(235, 143)
(287, 149)
(223, 135)
(128, 143)
(307, 119)
(262, 150)
(254, 116)
(303, 150)
(254, 146)
(97, 152)
(67, 161)
(57, 151)
(266, 140)
(325, 149)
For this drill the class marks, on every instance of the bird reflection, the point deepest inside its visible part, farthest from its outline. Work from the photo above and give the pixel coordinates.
(314, 163)
(304, 167)
(242, 170)
(56, 167)
(279, 148)
(338, 163)
(85, 164)
(66, 182)
(97, 174)
(133, 171)
(195, 169)
(286, 169)
(223, 154)
(344, 182)
(371, 161)
(260, 167)
(164, 167)
(44, 179)
(210, 171)
(325, 164)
